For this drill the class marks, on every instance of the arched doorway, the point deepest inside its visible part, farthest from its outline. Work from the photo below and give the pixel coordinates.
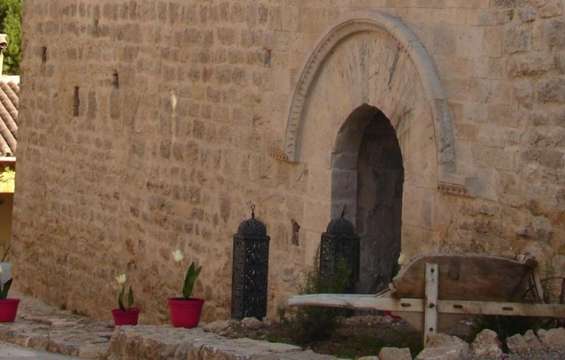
(368, 179)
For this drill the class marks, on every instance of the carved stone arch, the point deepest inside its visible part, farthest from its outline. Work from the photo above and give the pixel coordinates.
(371, 21)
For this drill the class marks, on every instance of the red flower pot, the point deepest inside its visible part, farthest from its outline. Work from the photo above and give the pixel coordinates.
(128, 317)
(8, 309)
(185, 312)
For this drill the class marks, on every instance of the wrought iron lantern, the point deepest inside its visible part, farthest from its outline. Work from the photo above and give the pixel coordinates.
(340, 243)
(250, 269)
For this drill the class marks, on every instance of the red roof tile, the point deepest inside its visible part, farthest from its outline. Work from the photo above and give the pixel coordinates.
(9, 104)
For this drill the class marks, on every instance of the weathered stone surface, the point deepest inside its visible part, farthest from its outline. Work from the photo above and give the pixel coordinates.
(444, 347)
(154, 342)
(388, 353)
(45, 328)
(10, 352)
(529, 65)
(526, 343)
(218, 326)
(178, 146)
(552, 91)
(555, 33)
(553, 339)
(486, 345)
(252, 323)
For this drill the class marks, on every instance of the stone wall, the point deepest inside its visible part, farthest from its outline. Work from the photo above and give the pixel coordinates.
(150, 125)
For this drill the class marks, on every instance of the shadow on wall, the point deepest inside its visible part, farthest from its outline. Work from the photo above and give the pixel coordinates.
(6, 204)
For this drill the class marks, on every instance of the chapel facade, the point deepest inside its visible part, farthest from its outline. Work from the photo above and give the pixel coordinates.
(153, 125)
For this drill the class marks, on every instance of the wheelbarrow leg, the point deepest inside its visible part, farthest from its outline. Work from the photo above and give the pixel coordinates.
(430, 309)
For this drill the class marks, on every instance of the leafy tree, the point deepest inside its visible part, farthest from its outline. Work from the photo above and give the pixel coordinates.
(11, 24)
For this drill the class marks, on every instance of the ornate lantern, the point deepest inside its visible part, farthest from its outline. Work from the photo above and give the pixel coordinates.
(250, 269)
(340, 243)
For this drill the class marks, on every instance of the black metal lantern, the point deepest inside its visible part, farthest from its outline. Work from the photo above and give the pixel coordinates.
(340, 243)
(250, 269)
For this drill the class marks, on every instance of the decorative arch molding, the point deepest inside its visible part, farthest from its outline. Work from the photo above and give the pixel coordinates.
(371, 21)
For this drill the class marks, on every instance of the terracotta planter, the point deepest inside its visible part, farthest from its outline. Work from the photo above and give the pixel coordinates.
(128, 317)
(185, 312)
(8, 309)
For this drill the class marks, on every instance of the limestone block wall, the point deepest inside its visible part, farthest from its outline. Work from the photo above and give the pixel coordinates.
(150, 125)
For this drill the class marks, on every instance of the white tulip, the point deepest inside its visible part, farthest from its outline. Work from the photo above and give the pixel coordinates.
(401, 259)
(178, 256)
(121, 279)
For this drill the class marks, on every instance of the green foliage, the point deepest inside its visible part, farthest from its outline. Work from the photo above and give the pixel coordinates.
(7, 180)
(5, 289)
(11, 24)
(312, 324)
(190, 279)
(121, 298)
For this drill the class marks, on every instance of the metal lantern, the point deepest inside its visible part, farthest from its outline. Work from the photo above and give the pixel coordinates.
(340, 242)
(250, 269)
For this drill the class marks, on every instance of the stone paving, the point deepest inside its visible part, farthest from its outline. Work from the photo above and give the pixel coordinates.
(11, 352)
(42, 329)
(46, 328)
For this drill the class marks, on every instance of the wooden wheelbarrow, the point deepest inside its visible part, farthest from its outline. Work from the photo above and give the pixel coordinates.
(433, 291)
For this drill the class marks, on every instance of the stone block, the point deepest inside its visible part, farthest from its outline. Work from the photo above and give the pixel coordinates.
(554, 33)
(517, 39)
(551, 90)
(553, 339)
(523, 344)
(527, 14)
(252, 323)
(389, 353)
(531, 64)
(560, 61)
(445, 347)
(552, 8)
(486, 345)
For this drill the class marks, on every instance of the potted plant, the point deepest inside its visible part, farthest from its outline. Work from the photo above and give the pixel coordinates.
(185, 311)
(125, 314)
(8, 307)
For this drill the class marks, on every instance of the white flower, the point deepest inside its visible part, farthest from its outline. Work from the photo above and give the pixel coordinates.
(121, 279)
(401, 259)
(177, 255)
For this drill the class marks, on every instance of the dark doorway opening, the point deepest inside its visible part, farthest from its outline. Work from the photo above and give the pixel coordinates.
(368, 179)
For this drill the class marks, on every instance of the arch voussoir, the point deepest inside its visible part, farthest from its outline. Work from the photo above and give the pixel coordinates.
(373, 21)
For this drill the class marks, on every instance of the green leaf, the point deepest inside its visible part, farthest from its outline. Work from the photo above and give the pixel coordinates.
(190, 279)
(4, 290)
(130, 298)
(121, 299)
(10, 21)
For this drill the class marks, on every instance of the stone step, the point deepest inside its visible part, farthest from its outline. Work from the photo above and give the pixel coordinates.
(160, 342)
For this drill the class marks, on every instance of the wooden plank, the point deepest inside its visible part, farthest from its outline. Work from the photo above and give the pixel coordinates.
(350, 301)
(430, 311)
(500, 308)
(444, 307)
(562, 295)
(466, 277)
